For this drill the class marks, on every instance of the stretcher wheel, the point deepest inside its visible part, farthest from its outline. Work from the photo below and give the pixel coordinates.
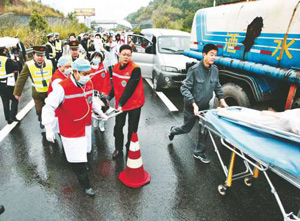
(222, 189)
(248, 181)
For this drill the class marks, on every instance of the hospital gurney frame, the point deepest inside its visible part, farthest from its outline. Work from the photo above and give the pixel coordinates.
(249, 174)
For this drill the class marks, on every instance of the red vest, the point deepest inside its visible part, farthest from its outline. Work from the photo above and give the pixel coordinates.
(75, 112)
(120, 80)
(101, 79)
(57, 75)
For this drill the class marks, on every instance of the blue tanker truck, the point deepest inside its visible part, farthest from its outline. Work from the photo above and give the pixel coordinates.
(259, 50)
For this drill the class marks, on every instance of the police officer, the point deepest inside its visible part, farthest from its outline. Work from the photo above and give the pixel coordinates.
(40, 72)
(58, 46)
(128, 91)
(73, 98)
(8, 75)
(74, 50)
(51, 49)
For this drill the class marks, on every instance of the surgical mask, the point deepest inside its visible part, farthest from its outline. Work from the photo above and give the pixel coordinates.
(96, 61)
(83, 79)
(94, 66)
(67, 72)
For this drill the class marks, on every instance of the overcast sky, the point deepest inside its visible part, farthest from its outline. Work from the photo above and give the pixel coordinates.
(105, 9)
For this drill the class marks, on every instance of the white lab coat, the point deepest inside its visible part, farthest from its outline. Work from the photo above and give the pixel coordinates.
(76, 149)
(112, 52)
(55, 126)
(98, 44)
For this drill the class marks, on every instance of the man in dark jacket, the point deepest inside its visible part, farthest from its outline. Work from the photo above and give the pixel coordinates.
(8, 76)
(198, 87)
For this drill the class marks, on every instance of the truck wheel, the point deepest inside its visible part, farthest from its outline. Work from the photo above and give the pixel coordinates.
(235, 95)
(155, 82)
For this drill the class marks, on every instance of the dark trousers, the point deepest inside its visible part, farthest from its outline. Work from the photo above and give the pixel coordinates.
(10, 110)
(82, 175)
(39, 101)
(133, 123)
(189, 120)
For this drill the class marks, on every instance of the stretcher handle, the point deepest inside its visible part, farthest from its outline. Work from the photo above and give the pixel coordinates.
(113, 113)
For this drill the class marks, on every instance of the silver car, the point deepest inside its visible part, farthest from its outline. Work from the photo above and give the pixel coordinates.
(159, 54)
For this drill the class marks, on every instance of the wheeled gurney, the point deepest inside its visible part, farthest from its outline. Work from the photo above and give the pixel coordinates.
(260, 148)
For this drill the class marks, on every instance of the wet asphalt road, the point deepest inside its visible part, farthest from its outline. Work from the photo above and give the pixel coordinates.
(36, 182)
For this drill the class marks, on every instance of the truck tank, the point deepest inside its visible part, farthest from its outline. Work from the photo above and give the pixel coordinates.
(260, 37)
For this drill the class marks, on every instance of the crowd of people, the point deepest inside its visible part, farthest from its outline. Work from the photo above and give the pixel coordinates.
(77, 78)
(72, 79)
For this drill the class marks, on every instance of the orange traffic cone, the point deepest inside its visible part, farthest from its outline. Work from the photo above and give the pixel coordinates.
(134, 175)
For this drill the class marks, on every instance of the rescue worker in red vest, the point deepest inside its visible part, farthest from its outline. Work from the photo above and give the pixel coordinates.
(74, 50)
(40, 72)
(58, 46)
(128, 91)
(101, 81)
(74, 100)
(8, 74)
(62, 72)
(51, 50)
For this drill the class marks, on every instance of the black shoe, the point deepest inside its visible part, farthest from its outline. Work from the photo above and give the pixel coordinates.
(41, 125)
(9, 121)
(90, 192)
(170, 134)
(2, 209)
(202, 157)
(117, 153)
(15, 119)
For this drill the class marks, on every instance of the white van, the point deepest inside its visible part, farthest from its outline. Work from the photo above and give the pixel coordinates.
(159, 54)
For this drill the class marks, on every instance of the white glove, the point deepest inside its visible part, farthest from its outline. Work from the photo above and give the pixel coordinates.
(103, 117)
(50, 136)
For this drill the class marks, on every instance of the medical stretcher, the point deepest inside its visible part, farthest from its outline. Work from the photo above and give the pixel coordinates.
(260, 148)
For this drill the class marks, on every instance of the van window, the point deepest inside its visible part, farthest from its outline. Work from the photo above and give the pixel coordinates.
(140, 43)
(173, 44)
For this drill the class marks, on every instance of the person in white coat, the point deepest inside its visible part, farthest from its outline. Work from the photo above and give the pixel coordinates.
(73, 99)
(62, 72)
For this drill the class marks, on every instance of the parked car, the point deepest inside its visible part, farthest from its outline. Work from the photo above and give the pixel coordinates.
(159, 54)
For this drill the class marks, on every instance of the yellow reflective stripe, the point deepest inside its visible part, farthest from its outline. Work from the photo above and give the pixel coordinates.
(121, 76)
(134, 164)
(3, 60)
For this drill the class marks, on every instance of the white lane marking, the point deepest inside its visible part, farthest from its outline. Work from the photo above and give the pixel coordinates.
(167, 102)
(6, 130)
(149, 81)
(163, 97)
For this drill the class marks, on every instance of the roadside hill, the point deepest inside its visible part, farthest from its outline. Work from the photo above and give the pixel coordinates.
(26, 7)
(172, 14)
